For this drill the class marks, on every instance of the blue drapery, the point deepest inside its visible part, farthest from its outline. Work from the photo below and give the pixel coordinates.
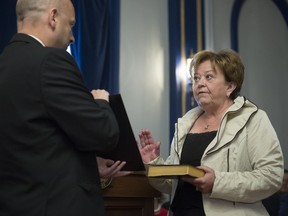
(8, 22)
(186, 33)
(96, 49)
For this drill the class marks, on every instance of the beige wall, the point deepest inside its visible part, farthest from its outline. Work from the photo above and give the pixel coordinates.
(144, 69)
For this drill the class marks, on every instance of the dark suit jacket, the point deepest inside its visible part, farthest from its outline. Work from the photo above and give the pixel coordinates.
(50, 129)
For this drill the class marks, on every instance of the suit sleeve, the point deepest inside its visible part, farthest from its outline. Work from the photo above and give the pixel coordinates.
(90, 124)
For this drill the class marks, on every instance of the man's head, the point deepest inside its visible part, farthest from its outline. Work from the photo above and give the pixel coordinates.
(49, 20)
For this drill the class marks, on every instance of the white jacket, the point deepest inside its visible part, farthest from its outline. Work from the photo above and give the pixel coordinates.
(245, 155)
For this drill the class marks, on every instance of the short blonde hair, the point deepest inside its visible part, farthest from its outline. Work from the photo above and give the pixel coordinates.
(228, 61)
(25, 8)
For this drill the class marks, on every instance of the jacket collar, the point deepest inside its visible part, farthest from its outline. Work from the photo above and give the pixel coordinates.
(20, 37)
(234, 119)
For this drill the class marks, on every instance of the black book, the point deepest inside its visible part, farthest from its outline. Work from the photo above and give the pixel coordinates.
(127, 149)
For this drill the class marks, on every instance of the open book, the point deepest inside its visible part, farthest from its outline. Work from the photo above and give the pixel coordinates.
(174, 171)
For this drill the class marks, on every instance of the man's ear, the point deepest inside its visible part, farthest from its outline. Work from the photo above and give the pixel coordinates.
(53, 18)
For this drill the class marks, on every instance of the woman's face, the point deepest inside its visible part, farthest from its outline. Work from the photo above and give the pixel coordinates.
(210, 87)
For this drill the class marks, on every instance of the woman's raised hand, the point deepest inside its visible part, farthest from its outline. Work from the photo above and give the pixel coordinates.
(149, 149)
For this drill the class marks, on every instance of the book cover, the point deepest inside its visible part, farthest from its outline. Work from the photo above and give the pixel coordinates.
(127, 149)
(174, 171)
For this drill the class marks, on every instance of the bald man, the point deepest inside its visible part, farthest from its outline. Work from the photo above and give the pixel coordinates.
(51, 126)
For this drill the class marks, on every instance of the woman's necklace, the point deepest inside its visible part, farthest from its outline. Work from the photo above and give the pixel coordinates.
(207, 126)
(215, 121)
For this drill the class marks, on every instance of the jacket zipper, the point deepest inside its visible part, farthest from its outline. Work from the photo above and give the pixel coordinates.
(228, 167)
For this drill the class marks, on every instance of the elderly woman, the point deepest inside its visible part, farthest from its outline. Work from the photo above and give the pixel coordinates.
(228, 137)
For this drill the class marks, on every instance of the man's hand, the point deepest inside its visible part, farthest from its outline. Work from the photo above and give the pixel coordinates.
(108, 168)
(100, 94)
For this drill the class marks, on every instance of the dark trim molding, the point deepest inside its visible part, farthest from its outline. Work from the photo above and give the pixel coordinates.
(281, 4)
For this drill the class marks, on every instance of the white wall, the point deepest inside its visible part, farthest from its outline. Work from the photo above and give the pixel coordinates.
(263, 43)
(144, 69)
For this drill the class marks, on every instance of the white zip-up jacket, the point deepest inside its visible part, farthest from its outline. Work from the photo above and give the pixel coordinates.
(245, 155)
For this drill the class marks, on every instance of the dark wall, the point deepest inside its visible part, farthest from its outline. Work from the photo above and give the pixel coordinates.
(7, 22)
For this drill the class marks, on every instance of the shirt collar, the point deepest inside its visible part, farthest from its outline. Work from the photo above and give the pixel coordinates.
(37, 40)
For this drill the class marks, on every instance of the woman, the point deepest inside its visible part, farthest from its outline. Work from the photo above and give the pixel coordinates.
(228, 137)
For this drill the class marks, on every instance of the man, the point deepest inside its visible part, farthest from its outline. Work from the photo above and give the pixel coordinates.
(51, 126)
(283, 208)
(277, 204)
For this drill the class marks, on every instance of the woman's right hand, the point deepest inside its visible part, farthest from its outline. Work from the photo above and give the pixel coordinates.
(149, 149)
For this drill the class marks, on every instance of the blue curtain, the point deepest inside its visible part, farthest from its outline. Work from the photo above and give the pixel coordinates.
(174, 62)
(96, 49)
(7, 21)
(186, 36)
